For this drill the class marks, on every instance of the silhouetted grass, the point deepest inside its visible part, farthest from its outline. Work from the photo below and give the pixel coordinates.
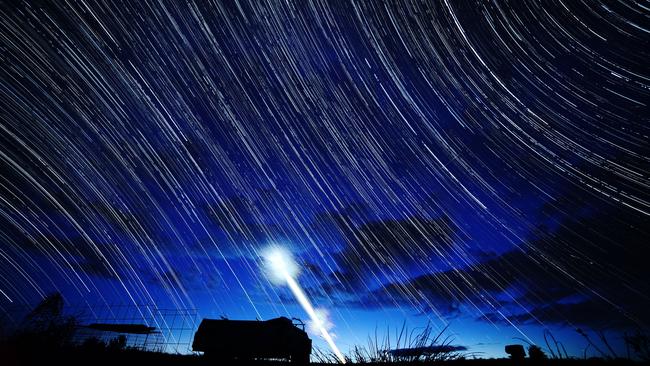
(45, 339)
(405, 346)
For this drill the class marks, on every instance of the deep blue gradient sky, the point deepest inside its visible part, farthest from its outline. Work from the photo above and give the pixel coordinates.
(483, 164)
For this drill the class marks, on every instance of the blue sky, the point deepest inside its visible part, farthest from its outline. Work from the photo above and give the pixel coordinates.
(481, 166)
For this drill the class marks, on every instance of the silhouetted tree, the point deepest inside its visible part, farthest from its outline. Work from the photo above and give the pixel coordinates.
(45, 313)
(45, 327)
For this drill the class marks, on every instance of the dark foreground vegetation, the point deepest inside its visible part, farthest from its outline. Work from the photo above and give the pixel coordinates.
(46, 337)
(79, 356)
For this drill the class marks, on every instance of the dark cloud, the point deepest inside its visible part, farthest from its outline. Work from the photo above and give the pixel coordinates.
(446, 291)
(237, 218)
(592, 270)
(592, 313)
(603, 258)
(378, 249)
(233, 214)
(77, 251)
(188, 280)
(95, 265)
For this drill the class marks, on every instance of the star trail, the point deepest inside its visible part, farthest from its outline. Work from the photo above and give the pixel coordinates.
(483, 164)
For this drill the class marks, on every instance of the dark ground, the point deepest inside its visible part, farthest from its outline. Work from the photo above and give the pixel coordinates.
(74, 356)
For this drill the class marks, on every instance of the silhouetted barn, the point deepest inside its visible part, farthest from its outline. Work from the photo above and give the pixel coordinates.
(249, 339)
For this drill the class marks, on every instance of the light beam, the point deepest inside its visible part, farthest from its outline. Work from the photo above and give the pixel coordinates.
(284, 268)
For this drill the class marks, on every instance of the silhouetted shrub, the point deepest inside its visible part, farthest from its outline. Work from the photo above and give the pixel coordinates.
(93, 345)
(639, 343)
(117, 344)
(535, 353)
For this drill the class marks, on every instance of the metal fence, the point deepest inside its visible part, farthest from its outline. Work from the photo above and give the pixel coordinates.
(144, 327)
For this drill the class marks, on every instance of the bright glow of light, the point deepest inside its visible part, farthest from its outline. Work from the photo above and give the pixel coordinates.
(323, 321)
(283, 268)
(279, 264)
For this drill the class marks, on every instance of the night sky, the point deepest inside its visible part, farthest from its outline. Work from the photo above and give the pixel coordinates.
(479, 164)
